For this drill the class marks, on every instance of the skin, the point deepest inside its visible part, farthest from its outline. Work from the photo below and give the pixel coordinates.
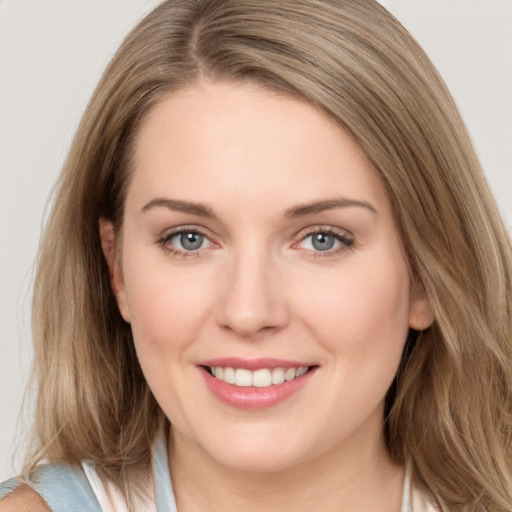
(23, 499)
(258, 287)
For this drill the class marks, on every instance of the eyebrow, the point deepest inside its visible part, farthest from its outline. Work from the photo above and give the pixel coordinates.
(301, 210)
(179, 206)
(319, 206)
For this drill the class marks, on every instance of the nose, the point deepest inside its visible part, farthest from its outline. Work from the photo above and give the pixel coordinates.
(251, 300)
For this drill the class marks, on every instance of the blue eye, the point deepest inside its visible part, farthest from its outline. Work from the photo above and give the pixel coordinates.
(188, 241)
(325, 241)
(185, 242)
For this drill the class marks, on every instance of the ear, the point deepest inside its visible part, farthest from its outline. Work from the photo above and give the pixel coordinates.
(421, 314)
(108, 244)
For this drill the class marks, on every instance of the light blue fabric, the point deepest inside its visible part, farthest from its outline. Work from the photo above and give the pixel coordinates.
(65, 488)
(164, 495)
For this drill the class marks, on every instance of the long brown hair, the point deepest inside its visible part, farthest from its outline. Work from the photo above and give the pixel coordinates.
(449, 410)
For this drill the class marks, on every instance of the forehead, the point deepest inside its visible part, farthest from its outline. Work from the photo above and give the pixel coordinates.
(247, 143)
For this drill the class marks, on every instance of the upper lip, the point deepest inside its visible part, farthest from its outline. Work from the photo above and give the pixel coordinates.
(254, 364)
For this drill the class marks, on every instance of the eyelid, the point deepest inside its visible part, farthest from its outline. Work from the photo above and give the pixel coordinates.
(165, 236)
(324, 228)
(345, 238)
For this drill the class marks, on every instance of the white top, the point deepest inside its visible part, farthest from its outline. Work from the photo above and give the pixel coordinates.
(109, 497)
(111, 500)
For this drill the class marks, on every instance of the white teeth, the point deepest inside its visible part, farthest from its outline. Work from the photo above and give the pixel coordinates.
(243, 377)
(289, 374)
(301, 371)
(261, 378)
(229, 375)
(277, 376)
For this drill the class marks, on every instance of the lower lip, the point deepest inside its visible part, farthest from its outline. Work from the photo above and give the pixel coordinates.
(253, 398)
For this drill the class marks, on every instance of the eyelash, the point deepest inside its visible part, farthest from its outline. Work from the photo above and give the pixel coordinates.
(345, 242)
(164, 242)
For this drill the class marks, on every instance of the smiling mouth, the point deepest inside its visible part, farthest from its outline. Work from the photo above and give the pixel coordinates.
(261, 378)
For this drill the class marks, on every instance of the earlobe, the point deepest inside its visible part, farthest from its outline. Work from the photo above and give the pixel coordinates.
(108, 245)
(421, 315)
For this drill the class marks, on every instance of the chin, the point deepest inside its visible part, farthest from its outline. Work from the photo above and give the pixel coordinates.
(252, 461)
(263, 455)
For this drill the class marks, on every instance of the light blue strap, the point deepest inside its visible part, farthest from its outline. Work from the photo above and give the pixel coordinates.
(63, 487)
(9, 486)
(164, 496)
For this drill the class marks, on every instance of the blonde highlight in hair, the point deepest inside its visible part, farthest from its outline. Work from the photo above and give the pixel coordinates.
(449, 410)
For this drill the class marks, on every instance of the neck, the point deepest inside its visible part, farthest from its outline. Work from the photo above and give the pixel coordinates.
(341, 479)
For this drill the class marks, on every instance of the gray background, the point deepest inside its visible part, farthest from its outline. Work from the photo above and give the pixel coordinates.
(52, 53)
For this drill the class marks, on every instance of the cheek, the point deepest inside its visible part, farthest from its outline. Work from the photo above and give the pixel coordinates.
(167, 308)
(362, 313)
(167, 311)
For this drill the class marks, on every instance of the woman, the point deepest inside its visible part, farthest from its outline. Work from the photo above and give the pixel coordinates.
(274, 275)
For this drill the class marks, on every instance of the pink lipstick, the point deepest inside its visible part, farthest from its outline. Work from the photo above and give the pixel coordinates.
(255, 383)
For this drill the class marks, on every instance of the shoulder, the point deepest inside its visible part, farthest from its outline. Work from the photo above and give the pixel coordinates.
(23, 499)
(58, 487)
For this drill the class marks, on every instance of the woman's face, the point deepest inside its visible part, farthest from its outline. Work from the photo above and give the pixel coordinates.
(258, 244)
